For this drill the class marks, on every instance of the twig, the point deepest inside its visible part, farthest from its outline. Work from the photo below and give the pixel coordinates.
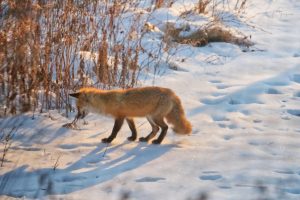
(8, 143)
(56, 163)
(142, 124)
(104, 153)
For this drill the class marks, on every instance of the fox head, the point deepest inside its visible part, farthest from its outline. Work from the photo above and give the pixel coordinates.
(81, 103)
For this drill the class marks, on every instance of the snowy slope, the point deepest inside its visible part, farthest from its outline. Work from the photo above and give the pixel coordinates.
(245, 111)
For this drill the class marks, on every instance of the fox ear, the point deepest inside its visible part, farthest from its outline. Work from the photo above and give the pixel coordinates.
(76, 94)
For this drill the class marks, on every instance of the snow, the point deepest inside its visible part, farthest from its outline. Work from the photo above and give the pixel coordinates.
(245, 112)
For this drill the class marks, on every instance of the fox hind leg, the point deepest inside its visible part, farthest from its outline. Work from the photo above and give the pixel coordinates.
(117, 126)
(131, 125)
(154, 131)
(164, 128)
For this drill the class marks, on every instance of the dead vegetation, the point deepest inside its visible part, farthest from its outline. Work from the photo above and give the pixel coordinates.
(40, 45)
(214, 30)
(203, 36)
(49, 48)
(8, 130)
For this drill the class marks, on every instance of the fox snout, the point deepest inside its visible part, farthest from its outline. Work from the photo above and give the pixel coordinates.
(76, 94)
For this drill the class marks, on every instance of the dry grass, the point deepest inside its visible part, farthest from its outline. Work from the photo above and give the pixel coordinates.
(212, 31)
(40, 43)
(204, 36)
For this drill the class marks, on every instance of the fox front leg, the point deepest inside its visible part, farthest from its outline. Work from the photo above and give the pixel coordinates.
(117, 126)
(132, 127)
(80, 115)
(73, 125)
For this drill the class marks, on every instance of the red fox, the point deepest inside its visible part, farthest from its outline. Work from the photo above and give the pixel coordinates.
(154, 103)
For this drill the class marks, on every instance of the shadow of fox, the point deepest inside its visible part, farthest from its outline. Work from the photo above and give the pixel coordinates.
(154, 103)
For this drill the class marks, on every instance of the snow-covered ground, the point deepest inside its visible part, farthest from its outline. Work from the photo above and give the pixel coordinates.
(245, 112)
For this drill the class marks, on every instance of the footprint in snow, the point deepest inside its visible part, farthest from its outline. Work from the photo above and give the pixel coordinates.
(215, 81)
(68, 146)
(74, 146)
(257, 121)
(259, 142)
(295, 112)
(219, 118)
(210, 176)
(296, 54)
(234, 102)
(218, 94)
(72, 178)
(277, 83)
(228, 137)
(296, 78)
(292, 190)
(284, 171)
(297, 94)
(212, 101)
(222, 86)
(273, 91)
(94, 160)
(149, 179)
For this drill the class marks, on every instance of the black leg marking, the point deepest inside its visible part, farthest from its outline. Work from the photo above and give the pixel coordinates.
(131, 125)
(117, 126)
(164, 128)
(80, 115)
(154, 131)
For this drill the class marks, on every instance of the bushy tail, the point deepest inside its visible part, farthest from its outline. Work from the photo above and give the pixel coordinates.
(177, 118)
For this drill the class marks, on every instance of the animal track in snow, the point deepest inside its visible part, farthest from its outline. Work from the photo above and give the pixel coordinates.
(68, 146)
(150, 179)
(210, 175)
(273, 91)
(295, 112)
(222, 86)
(230, 126)
(296, 78)
(218, 94)
(284, 171)
(212, 101)
(296, 55)
(26, 148)
(292, 190)
(228, 137)
(297, 94)
(234, 102)
(219, 118)
(277, 83)
(257, 121)
(72, 178)
(259, 142)
(74, 146)
(215, 81)
(94, 160)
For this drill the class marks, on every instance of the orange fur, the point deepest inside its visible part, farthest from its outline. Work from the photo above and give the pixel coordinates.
(151, 102)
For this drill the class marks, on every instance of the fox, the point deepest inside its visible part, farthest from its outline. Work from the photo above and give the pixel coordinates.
(154, 103)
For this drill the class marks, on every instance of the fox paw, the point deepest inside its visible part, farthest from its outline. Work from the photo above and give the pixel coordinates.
(131, 138)
(143, 139)
(156, 141)
(107, 140)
